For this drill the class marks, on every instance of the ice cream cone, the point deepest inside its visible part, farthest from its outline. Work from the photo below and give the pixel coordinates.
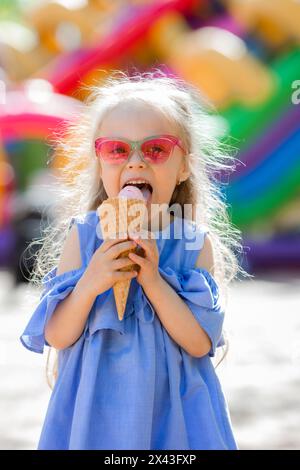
(120, 215)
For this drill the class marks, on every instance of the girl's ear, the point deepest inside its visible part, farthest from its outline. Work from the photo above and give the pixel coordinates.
(183, 175)
(184, 171)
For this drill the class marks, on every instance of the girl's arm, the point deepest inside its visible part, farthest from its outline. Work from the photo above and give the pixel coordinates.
(69, 318)
(175, 315)
(68, 321)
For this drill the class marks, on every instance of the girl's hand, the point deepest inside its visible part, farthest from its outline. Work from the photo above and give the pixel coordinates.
(148, 273)
(102, 271)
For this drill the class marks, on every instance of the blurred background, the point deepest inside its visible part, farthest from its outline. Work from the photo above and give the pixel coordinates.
(244, 56)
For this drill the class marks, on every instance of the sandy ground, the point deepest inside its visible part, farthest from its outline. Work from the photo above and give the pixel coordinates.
(260, 374)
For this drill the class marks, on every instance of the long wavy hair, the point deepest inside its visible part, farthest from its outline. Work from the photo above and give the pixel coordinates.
(79, 187)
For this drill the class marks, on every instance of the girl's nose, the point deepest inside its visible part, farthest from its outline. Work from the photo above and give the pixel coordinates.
(135, 159)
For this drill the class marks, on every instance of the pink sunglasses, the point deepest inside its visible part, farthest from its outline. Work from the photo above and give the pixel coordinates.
(154, 149)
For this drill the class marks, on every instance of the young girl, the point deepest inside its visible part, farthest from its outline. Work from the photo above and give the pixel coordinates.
(148, 381)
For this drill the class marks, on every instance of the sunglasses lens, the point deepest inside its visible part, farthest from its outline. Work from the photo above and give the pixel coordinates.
(113, 151)
(157, 150)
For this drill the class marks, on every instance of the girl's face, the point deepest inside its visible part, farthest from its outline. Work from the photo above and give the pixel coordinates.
(136, 121)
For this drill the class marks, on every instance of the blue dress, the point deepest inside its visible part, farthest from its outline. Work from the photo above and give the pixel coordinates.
(127, 384)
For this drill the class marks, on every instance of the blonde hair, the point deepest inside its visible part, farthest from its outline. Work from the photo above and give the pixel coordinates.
(194, 118)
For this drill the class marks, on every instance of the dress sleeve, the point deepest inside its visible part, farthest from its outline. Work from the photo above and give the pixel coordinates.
(199, 290)
(55, 289)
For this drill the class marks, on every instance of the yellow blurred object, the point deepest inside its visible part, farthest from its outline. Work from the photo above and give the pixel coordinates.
(277, 21)
(63, 27)
(51, 28)
(218, 63)
(165, 32)
(60, 28)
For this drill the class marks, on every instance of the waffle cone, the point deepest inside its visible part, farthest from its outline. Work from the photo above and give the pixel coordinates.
(118, 216)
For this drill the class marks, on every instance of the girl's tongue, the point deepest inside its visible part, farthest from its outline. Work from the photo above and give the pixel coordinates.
(133, 192)
(146, 194)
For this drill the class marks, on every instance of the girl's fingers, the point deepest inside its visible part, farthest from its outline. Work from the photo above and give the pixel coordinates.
(137, 259)
(120, 276)
(147, 245)
(109, 242)
(121, 263)
(117, 249)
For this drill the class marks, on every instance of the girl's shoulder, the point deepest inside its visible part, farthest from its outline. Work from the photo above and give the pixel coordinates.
(87, 233)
